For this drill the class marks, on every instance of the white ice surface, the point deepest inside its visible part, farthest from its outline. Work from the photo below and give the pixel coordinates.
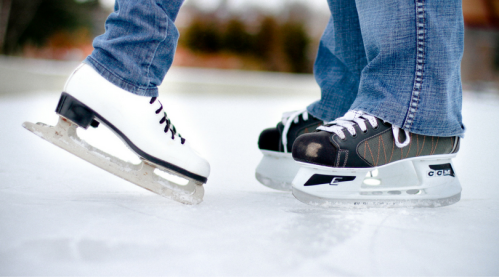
(62, 216)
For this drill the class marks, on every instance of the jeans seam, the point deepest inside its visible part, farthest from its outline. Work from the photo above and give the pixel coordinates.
(420, 59)
(155, 51)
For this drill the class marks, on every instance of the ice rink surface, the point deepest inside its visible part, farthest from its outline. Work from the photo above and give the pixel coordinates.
(62, 216)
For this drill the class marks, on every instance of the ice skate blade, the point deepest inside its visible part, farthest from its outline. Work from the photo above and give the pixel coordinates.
(64, 135)
(276, 170)
(374, 203)
(427, 181)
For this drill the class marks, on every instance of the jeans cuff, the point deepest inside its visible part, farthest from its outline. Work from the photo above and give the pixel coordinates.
(323, 112)
(118, 81)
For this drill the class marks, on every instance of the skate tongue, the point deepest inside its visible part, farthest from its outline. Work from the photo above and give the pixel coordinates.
(293, 116)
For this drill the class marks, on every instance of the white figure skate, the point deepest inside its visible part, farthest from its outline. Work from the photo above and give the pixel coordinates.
(140, 122)
(358, 160)
(277, 168)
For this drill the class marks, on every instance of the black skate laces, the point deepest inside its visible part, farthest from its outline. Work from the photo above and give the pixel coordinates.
(168, 122)
(359, 118)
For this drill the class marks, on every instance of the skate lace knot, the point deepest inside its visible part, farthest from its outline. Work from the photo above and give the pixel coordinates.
(169, 126)
(352, 118)
(289, 118)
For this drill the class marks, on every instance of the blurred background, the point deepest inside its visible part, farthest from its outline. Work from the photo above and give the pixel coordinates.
(239, 64)
(278, 35)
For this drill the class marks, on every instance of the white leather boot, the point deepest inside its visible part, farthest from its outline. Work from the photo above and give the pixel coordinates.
(141, 122)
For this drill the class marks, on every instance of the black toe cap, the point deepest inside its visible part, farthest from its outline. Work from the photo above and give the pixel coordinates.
(269, 139)
(315, 148)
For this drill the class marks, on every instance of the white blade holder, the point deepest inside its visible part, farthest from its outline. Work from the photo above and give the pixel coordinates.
(64, 135)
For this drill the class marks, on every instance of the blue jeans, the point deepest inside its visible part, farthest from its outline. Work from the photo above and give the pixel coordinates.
(138, 46)
(397, 60)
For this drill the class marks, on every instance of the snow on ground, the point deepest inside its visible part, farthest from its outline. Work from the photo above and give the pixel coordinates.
(62, 216)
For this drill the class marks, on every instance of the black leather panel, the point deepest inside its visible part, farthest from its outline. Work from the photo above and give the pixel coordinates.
(269, 139)
(373, 147)
(315, 148)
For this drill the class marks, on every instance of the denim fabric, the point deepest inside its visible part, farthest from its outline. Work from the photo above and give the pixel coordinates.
(397, 60)
(138, 46)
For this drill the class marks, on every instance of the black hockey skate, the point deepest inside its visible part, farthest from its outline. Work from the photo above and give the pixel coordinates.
(277, 167)
(359, 160)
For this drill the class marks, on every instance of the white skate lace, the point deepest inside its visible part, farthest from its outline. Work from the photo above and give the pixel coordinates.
(169, 126)
(357, 117)
(287, 119)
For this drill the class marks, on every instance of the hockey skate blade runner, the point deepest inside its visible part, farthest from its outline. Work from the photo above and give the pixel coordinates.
(64, 135)
(276, 170)
(417, 182)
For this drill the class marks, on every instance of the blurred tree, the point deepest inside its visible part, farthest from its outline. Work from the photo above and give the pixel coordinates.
(266, 38)
(236, 38)
(204, 36)
(268, 45)
(5, 6)
(295, 46)
(272, 45)
(34, 21)
(496, 55)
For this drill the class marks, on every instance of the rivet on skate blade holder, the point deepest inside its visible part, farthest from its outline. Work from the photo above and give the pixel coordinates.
(427, 181)
(143, 174)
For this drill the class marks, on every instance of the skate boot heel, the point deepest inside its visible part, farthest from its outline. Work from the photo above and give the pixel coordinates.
(74, 110)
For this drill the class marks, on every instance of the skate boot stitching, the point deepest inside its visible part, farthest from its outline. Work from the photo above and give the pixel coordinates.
(369, 147)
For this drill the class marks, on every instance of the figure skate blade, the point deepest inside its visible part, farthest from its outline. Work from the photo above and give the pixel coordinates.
(428, 181)
(276, 170)
(143, 174)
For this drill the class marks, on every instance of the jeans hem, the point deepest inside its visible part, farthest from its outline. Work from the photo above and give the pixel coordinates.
(311, 111)
(119, 81)
(316, 112)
